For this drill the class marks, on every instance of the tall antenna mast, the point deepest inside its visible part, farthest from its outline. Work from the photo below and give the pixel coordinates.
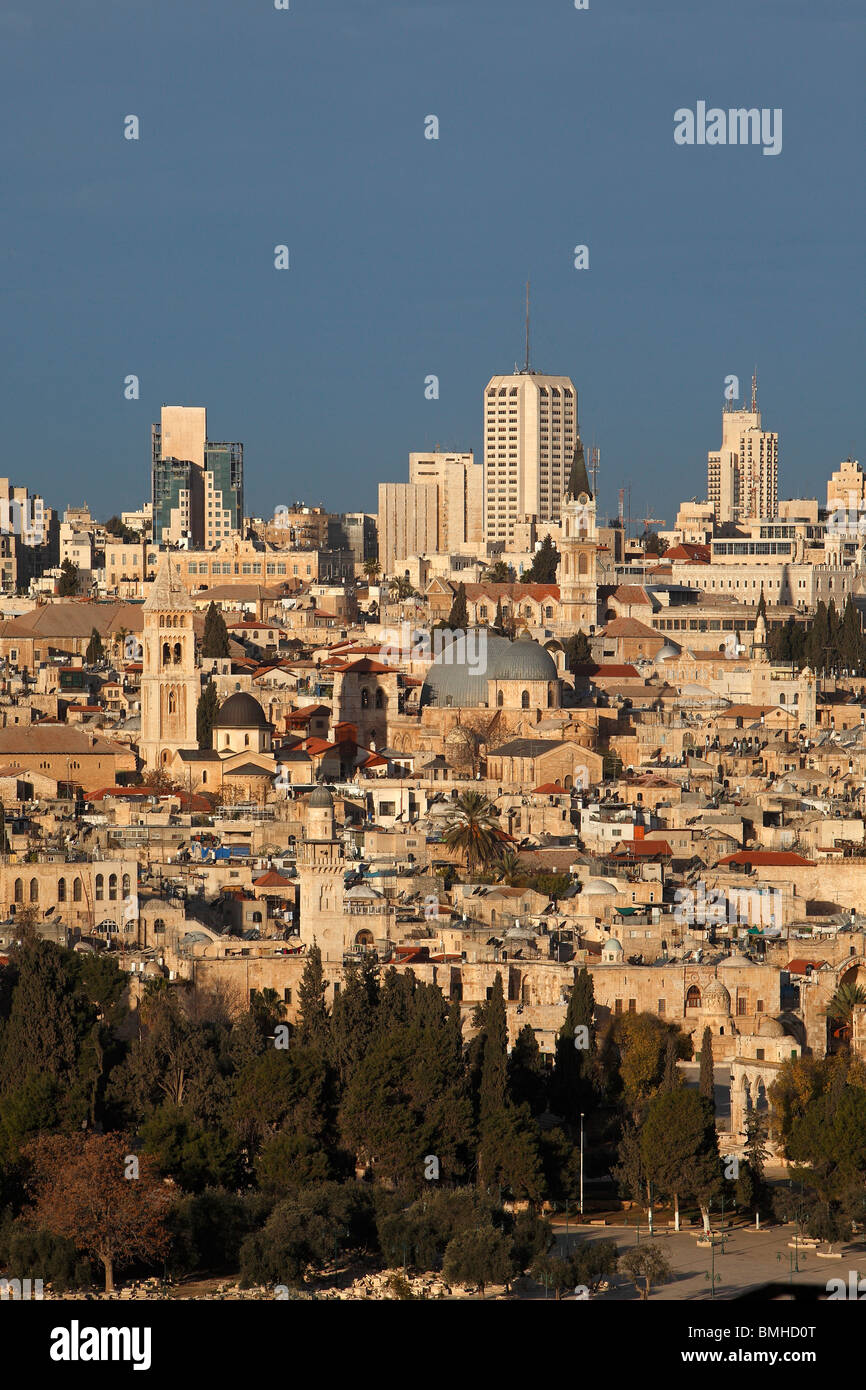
(526, 368)
(754, 391)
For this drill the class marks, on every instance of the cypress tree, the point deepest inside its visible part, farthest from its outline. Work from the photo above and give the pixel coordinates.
(205, 714)
(215, 642)
(707, 1083)
(458, 618)
(313, 1016)
(493, 1068)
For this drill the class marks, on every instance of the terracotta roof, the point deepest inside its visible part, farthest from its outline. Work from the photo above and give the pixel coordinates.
(768, 858)
(550, 789)
(799, 964)
(629, 627)
(641, 849)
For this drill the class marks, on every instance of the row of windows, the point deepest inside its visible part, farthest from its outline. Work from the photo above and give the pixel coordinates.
(77, 890)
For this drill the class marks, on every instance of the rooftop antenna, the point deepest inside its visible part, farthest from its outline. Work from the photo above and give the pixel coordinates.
(526, 368)
(754, 391)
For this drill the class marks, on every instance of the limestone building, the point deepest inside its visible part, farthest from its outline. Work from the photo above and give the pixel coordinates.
(170, 685)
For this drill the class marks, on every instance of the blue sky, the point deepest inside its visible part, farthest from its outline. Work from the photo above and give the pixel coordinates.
(409, 256)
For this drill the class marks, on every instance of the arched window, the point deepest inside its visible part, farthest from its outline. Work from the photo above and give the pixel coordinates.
(124, 887)
(19, 890)
(246, 740)
(257, 917)
(365, 699)
(61, 890)
(34, 890)
(524, 700)
(166, 653)
(500, 700)
(380, 700)
(693, 997)
(583, 564)
(112, 887)
(158, 926)
(177, 653)
(172, 702)
(76, 891)
(100, 888)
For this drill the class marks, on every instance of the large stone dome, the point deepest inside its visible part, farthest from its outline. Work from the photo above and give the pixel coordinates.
(463, 682)
(240, 711)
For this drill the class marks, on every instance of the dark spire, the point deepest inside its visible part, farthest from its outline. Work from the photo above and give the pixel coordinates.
(578, 480)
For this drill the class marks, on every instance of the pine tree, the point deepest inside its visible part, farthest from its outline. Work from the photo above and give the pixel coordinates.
(312, 1014)
(706, 1085)
(205, 714)
(68, 583)
(497, 622)
(215, 642)
(761, 611)
(544, 563)
(458, 618)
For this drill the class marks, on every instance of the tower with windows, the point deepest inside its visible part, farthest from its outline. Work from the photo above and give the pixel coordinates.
(578, 565)
(170, 686)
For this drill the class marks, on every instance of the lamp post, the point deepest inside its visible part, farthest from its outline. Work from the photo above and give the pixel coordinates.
(581, 1204)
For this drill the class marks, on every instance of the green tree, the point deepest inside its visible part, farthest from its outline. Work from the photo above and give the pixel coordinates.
(479, 1257)
(215, 640)
(458, 618)
(313, 1016)
(498, 573)
(571, 1088)
(647, 1263)
(577, 650)
(472, 828)
(205, 714)
(69, 577)
(679, 1147)
(94, 652)
(707, 1083)
(544, 563)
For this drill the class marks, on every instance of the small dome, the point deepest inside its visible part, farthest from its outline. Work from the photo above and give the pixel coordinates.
(598, 887)
(321, 799)
(770, 1028)
(668, 651)
(716, 999)
(612, 949)
(240, 711)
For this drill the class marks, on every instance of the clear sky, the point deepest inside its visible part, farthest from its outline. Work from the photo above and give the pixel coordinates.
(408, 256)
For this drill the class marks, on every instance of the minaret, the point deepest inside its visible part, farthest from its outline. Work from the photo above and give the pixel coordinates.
(320, 878)
(170, 686)
(578, 566)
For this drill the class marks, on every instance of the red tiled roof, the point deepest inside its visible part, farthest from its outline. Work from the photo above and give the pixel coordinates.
(550, 789)
(768, 858)
(798, 965)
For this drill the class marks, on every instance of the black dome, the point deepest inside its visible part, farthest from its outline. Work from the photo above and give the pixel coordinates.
(241, 711)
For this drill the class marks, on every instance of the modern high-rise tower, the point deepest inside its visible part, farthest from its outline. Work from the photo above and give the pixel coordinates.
(198, 486)
(743, 476)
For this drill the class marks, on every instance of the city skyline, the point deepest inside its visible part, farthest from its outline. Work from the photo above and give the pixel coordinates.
(401, 265)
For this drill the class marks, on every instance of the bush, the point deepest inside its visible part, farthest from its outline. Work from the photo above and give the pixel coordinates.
(43, 1255)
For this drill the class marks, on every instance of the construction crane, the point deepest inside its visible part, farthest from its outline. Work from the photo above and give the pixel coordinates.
(650, 520)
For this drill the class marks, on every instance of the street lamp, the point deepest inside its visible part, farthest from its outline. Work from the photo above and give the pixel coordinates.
(581, 1204)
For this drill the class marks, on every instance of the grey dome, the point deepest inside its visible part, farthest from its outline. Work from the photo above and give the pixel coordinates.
(321, 799)
(458, 683)
(241, 711)
(668, 651)
(527, 661)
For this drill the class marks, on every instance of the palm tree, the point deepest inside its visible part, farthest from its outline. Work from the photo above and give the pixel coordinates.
(498, 573)
(509, 869)
(401, 587)
(841, 1007)
(372, 569)
(267, 1006)
(472, 827)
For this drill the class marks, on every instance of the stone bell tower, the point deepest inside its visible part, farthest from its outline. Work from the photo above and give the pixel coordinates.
(170, 686)
(320, 878)
(578, 566)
